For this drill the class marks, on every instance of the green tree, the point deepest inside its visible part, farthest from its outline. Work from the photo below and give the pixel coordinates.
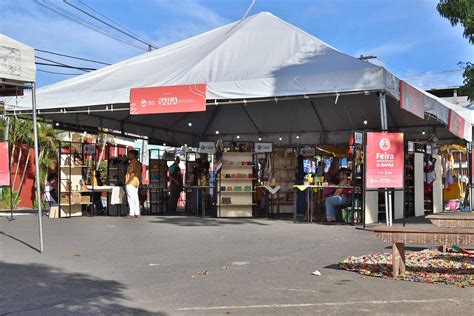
(462, 12)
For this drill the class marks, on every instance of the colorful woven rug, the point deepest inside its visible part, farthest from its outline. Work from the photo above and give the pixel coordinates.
(428, 266)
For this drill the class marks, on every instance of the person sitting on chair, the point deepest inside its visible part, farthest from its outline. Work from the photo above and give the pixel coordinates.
(341, 196)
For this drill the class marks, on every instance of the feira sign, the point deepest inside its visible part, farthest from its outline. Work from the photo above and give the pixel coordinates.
(4, 166)
(263, 147)
(171, 99)
(384, 160)
(207, 148)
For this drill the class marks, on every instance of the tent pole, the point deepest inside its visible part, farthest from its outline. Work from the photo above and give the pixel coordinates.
(384, 125)
(37, 169)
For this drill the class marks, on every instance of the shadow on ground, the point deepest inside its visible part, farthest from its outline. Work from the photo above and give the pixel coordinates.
(203, 221)
(39, 289)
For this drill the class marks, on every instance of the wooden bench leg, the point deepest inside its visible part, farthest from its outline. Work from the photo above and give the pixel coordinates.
(398, 258)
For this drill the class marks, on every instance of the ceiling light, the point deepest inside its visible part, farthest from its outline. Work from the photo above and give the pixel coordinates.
(423, 133)
(297, 136)
(217, 132)
(190, 124)
(238, 137)
(365, 122)
(260, 138)
(279, 138)
(164, 144)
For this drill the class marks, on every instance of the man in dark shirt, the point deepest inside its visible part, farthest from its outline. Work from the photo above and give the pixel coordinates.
(176, 185)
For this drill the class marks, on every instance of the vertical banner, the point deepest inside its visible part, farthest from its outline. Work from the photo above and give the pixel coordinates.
(171, 99)
(456, 124)
(412, 100)
(385, 162)
(4, 165)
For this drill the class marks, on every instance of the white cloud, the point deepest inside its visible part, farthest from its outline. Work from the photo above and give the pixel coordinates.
(431, 79)
(41, 28)
(388, 49)
(191, 18)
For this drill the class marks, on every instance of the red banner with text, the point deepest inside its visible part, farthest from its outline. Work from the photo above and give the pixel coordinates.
(385, 160)
(456, 124)
(412, 100)
(171, 99)
(4, 165)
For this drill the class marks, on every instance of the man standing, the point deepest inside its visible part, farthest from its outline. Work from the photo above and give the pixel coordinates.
(176, 185)
(132, 182)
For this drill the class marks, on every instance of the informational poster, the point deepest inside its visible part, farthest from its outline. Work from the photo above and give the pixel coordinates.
(385, 160)
(456, 124)
(4, 165)
(263, 147)
(412, 100)
(207, 148)
(170, 99)
(358, 138)
(308, 151)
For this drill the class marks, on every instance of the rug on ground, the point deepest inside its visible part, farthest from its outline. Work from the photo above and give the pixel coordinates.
(428, 266)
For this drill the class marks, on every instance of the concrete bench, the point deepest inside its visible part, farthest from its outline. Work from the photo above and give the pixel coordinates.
(461, 219)
(420, 235)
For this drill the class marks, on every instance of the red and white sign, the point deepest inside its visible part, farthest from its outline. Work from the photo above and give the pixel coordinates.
(171, 99)
(412, 100)
(4, 165)
(456, 124)
(385, 160)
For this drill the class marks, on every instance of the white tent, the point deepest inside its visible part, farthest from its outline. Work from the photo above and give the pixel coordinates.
(17, 60)
(265, 79)
(18, 72)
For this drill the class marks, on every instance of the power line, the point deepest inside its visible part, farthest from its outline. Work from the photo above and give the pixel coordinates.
(70, 16)
(61, 66)
(109, 19)
(109, 25)
(57, 73)
(65, 65)
(73, 57)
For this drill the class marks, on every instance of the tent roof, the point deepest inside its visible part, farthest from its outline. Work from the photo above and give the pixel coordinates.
(260, 56)
(17, 61)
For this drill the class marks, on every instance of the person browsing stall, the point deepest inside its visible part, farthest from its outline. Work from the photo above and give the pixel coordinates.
(176, 185)
(132, 182)
(341, 196)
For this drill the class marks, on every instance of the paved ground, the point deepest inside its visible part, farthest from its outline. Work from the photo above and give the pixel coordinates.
(156, 266)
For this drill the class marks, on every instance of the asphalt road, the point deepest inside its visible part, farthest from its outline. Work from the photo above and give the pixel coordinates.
(194, 266)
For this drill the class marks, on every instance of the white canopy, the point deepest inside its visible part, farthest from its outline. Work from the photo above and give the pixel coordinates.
(259, 57)
(17, 61)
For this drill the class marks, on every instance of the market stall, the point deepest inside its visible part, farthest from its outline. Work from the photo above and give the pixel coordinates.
(224, 84)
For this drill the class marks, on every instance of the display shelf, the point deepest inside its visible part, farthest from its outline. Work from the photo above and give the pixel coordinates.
(240, 203)
(75, 169)
(237, 191)
(238, 166)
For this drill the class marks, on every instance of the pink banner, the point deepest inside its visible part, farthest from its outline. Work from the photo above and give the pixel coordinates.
(4, 165)
(412, 100)
(171, 99)
(384, 161)
(456, 124)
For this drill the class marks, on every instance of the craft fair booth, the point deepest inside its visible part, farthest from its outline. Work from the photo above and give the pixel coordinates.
(223, 85)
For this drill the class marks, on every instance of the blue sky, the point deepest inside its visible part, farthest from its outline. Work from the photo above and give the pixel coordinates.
(408, 36)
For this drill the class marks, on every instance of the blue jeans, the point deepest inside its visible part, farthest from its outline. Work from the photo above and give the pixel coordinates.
(332, 205)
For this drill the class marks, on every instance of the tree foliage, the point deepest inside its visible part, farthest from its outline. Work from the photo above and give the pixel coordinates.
(462, 12)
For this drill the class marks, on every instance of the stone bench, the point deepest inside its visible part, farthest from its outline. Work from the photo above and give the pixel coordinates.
(398, 236)
(461, 219)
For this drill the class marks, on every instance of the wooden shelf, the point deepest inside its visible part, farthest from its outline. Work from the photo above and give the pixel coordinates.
(236, 191)
(221, 205)
(238, 166)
